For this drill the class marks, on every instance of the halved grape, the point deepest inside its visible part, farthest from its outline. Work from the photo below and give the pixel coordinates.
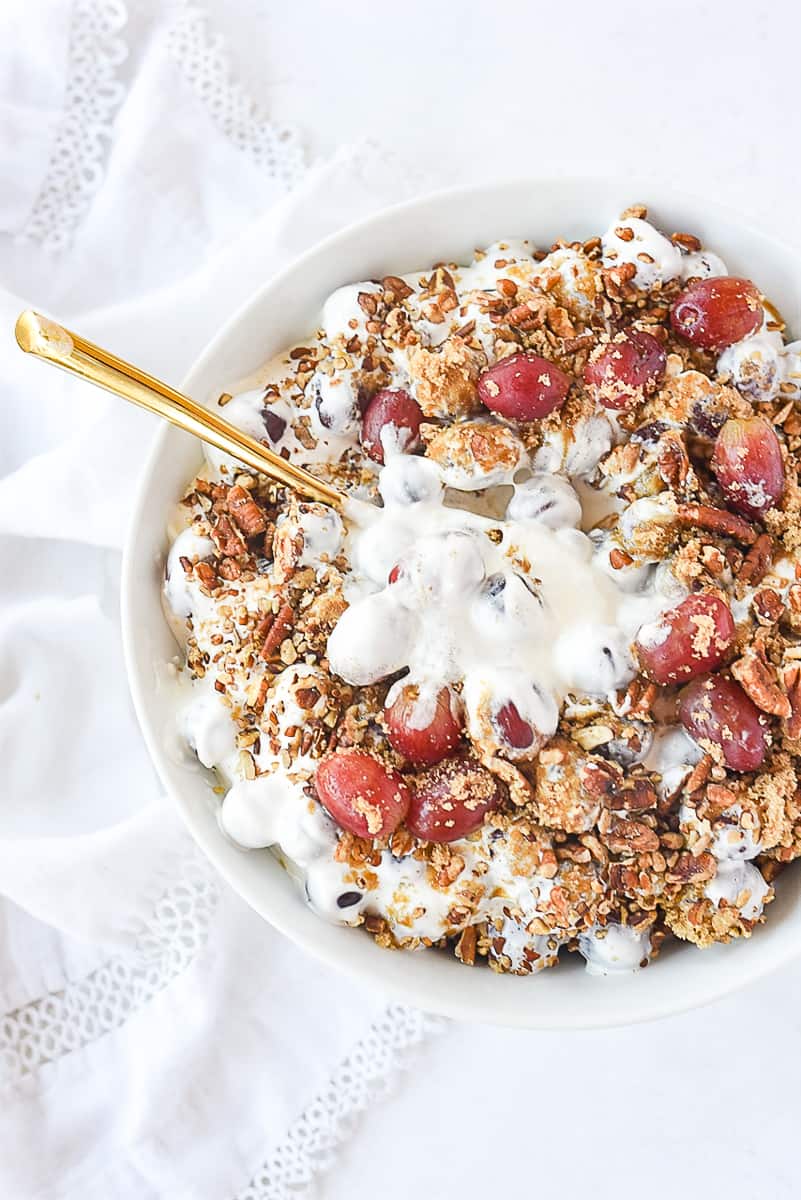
(686, 641)
(748, 465)
(432, 740)
(451, 799)
(513, 728)
(717, 710)
(361, 794)
(715, 313)
(523, 387)
(621, 373)
(392, 412)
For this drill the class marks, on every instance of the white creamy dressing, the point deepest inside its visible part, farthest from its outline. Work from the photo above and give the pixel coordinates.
(524, 614)
(738, 880)
(614, 949)
(655, 258)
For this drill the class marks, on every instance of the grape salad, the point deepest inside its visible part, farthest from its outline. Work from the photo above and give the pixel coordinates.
(539, 692)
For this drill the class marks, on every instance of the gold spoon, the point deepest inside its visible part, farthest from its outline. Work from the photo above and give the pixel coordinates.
(40, 336)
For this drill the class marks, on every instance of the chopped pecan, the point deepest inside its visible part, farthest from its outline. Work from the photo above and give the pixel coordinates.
(716, 520)
(215, 491)
(637, 796)
(792, 683)
(617, 280)
(687, 240)
(619, 559)
(246, 512)
(630, 837)
(395, 285)
(699, 774)
(401, 842)
(689, 868)
(768, 606)
(600, 778)
(206, 574)
(673, 460)
(466, 946)
(717, 799)
(277, 630)
(227, 540)
(230, 569)
(758, 679)
(757, 560)
(794, 597)
(450, 871)
(581, 341)
(623, 878)
(522, 316)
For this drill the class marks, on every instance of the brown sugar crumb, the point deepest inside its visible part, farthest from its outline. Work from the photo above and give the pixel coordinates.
(473, 448)
(445, 379)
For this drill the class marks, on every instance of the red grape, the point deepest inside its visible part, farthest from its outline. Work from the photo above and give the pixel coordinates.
(523, 387)
(748, 464)
(621, 373)
(513, 729)
(717, 710)
(451, 799)
(716, 313)
(361, 794)
(687, 641)
(428, 743)
(391, 406)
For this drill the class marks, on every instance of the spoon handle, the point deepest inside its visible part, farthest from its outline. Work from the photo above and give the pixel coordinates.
(47, 340)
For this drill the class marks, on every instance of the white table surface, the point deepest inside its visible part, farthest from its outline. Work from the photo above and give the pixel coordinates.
(705, 96)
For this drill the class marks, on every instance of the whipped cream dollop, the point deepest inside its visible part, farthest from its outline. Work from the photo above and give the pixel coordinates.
(515, 609)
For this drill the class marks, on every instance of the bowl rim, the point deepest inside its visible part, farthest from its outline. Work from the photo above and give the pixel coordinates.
(414, 990)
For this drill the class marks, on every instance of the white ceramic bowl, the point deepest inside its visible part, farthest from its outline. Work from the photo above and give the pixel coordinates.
(446, 226)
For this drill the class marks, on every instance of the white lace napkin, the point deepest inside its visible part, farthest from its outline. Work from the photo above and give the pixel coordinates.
(156, 1037)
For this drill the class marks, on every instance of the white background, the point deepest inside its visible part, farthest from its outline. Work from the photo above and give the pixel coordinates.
(703, 94)
(705, 97)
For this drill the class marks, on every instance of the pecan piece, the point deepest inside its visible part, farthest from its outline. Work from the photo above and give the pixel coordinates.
(466, 946)
(227, 540)
(395, 285)
(692, 868)
(757, 560)
(716, 520)
(688, 240)
(637, 796)
(246, 512)
(230, 569)
(629, 837)
(792, 682)
(768, 606)
(699, 774)
(758, 680)
(206, 574)
(600, 778)
(673, 460)
(617, 280)
(277, 630)
(718, 799)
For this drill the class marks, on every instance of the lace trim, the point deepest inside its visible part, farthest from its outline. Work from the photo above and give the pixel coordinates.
(93, 95)
(83, 1011)
(205, 65)
(364, 1078)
